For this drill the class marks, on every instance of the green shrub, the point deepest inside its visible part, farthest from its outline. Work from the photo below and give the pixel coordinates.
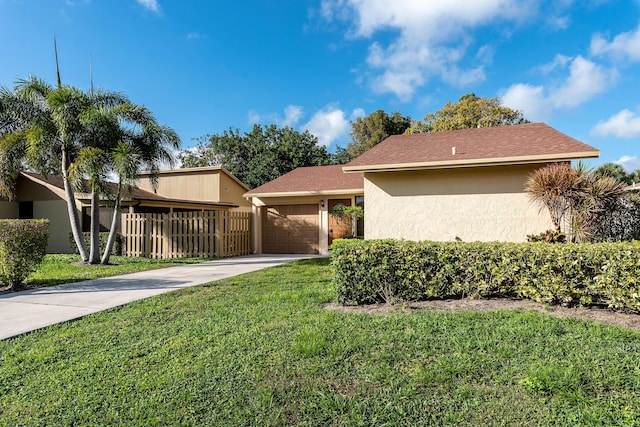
(549, 236)
(116, 250)
(573, 274)
(23, 244)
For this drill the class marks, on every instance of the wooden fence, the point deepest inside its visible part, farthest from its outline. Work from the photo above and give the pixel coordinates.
(213, 234)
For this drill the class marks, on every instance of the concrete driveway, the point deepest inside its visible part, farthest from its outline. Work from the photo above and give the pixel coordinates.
(26, 311)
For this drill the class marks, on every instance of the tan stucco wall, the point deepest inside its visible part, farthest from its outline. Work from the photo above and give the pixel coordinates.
(473, 204)
(8, 210)
(232, 192)
(56, 212)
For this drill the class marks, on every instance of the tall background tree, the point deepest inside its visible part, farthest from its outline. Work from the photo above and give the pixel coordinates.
(261, 155)
(200, 155)
(469, 112)
(369, 131)
(616, 171)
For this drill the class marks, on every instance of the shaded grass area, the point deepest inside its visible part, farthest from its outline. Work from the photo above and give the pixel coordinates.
(63, 268)
(259, 349)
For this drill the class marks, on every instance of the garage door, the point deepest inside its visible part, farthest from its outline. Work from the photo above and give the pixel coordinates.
(290, 229)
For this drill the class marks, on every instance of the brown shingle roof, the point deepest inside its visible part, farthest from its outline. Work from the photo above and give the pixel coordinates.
(527, 143)
(312, 179)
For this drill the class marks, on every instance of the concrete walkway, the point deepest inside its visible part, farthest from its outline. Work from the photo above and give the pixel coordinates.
(26, 311)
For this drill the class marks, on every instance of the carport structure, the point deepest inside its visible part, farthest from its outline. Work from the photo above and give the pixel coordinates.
(291, 213)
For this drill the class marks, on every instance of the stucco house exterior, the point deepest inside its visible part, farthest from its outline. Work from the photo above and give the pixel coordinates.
(209, 188)
(291, 212)
(466, 184)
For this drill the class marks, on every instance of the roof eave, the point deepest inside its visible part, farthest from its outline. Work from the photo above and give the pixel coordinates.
(502, 161)
(185, 171)
(306, 193)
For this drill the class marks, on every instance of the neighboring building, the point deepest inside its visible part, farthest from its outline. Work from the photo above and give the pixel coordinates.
(211, 188)
(291, 212)
(206, 184)
(467, 184)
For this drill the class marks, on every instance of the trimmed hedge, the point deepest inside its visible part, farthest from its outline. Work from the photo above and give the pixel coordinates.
(572, 274)
(23, 244)
(116, 250)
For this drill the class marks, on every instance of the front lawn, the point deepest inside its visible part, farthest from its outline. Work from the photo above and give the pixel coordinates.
(62, 268)
(259, 349)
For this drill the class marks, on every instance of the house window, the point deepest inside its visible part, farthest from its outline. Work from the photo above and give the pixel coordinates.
(25, 210)
(360, 225)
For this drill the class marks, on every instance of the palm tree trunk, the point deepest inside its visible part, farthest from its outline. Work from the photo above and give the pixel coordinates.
(74, 218)
(115, 224)
(94, 254)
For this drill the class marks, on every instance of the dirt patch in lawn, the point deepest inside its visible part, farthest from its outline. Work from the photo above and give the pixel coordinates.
(615, 318)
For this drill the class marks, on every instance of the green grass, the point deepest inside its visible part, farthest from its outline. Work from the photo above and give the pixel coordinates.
(61, 268)
(259, 349)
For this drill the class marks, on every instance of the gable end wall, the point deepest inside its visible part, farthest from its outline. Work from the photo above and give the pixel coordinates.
(473, 204)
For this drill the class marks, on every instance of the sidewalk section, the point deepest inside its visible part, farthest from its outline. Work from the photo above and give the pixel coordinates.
(26, 311)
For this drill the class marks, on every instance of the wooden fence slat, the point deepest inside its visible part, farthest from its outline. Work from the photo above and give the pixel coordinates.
(216, 234)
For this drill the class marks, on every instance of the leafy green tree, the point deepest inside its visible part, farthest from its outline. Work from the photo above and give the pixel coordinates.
(616, 171)
(369, 131)
(263, 154)
(200, 155)
(469, 112)
(613, 170)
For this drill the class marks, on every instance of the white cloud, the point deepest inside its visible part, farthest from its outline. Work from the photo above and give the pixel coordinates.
(292, 115)
(558, 23)
(586, 79)
(196, 36)
(328, 125)
(431, 37)
(528, 99)
(253, 117)
(151, 5)
(560, 61)
(357, 113)
(624, 124)
(629, 163)
(624, 45)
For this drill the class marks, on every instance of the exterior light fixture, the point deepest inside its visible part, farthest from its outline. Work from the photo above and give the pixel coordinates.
(322, 203)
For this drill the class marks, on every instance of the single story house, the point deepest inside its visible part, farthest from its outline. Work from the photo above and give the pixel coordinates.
(466, 184)
(291, 212)
(212, 188)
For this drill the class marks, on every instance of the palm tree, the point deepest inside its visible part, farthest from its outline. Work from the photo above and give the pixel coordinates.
(46, 128)
(132, 140)
(575, 196)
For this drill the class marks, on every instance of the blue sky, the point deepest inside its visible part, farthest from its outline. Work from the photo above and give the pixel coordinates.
(205, 66)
